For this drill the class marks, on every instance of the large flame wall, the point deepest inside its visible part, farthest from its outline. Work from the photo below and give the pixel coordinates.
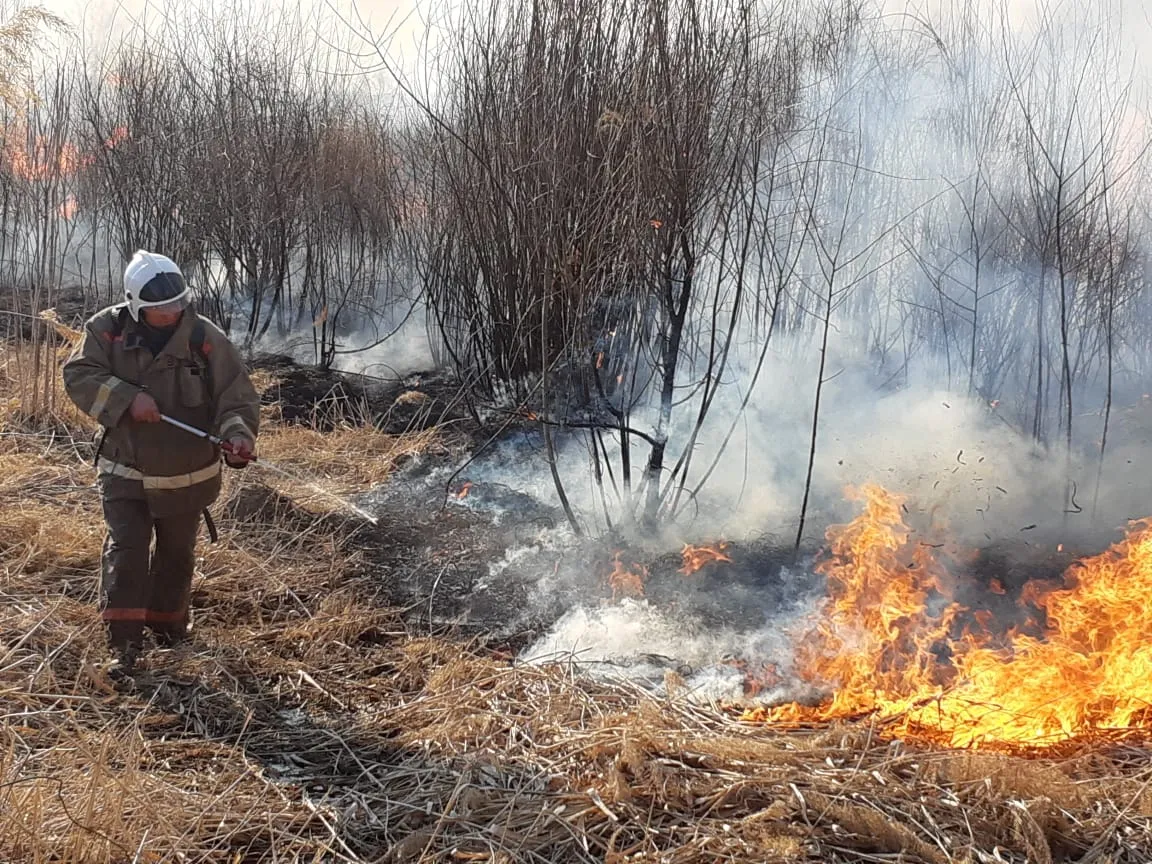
(891, 642)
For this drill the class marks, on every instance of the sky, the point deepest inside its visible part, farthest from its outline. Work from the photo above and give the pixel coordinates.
(103, 14)
(407, 29)
(400, 24)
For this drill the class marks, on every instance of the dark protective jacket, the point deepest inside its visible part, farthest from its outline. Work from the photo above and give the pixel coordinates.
(198, 378)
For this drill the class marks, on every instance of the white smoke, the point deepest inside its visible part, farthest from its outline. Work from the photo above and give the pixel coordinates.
(934, 120)
(897, 408)
(634, 641)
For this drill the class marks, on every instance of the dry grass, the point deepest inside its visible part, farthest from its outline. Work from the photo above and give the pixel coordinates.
(307, 725)
(32, 396)
(349, 458)
(21, 36)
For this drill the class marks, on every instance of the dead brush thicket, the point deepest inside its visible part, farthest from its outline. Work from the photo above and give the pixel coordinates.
(306, 724)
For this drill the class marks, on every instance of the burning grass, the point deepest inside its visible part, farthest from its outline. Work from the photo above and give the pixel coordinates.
(307, 723)
(898, 644)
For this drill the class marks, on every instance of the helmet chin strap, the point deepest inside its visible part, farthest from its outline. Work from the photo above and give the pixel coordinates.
(167, 329)
(138, 309)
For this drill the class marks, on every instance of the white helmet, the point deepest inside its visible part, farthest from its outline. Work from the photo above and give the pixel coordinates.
(153, 280)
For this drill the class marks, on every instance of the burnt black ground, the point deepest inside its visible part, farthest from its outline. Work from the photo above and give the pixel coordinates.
(320, 398)
(441, 552)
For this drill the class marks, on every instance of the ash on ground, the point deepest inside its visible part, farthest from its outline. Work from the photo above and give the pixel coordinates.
(723, 633)
(533, 586)
(472, 541)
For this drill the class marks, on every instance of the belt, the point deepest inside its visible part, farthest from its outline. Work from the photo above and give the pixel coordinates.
(177, 481)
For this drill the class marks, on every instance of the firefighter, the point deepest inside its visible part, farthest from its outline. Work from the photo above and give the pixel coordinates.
(149, 355)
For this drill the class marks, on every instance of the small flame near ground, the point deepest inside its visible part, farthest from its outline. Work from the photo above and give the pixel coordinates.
(627, 580)
(889, 619)
(696, 557)
(758, 677)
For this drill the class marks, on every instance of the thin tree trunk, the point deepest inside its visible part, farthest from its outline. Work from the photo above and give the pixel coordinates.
(549, 445)
(1037, 420)
(815, 416)
(1109, 316)
(1065, 367)
(656, 455)
(678, 309)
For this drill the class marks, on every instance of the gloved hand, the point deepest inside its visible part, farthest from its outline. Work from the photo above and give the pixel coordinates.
(241, 454)
(144, 408)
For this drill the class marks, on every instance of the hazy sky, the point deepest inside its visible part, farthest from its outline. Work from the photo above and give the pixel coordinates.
(101, 12)
(404, 22)
(101, 16)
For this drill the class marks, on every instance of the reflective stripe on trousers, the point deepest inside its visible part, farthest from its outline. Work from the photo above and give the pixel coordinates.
(140, 587)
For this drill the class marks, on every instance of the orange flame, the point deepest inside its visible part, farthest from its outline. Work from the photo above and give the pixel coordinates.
(119, 134)
(465, 489)
(696, 557)
(44, 160)
(68, 208)
(757, 679)
(625, 582)
(881, 645)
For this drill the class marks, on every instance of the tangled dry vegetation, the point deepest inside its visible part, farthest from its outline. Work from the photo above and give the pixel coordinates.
(307, 723)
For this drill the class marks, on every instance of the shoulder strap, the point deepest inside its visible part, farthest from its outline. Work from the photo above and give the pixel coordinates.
(120, 323)
(196, 339)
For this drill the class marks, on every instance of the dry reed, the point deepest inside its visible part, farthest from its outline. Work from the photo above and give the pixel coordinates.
(305, 723)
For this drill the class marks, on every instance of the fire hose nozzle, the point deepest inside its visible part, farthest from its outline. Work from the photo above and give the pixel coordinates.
(226, 446)
(270, 466)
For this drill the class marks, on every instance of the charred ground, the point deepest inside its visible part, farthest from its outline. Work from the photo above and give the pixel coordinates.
(470, 556)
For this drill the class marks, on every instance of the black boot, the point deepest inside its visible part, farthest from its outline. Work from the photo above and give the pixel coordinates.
(170, 637)
(124, 662)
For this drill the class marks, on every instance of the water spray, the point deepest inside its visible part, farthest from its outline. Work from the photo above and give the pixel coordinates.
(226, 446)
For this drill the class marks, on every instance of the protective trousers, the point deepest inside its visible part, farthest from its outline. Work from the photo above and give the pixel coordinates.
(141, 588)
